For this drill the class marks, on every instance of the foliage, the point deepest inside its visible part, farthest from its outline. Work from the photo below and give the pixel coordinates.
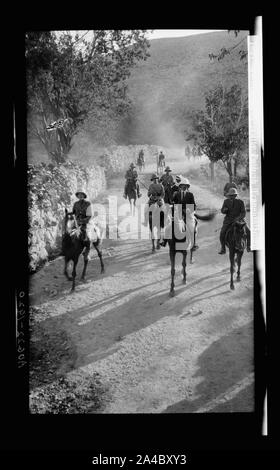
(75, 80)
(221, 130)
(224, 51)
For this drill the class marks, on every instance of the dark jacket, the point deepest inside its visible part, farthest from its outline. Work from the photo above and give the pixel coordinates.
(233, 208)
(80, 210)
(186, 198)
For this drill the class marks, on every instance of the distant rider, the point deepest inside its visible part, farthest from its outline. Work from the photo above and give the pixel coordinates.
(131, 176)
(161, 158)
(235, 210)
(155, 195)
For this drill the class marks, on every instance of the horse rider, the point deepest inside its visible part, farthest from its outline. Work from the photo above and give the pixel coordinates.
(131, 176)
(161, 158)
(228, 186)
(155, 195)
(175, 186)
(184, 196)
(141, 156)
(234, 209)
(167, 181)
(83, 213)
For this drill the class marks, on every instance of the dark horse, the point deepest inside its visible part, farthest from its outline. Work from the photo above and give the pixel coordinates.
(180, 240)
(236, 242)
(132, 195)
(73, 245)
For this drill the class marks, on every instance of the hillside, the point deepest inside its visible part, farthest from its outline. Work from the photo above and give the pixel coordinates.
(172, 83)
(164, 90)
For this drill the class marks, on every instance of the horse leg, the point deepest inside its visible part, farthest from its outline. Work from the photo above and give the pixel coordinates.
(65, 272)
(74, 274)
(153, 244)
(191, 257)
(172, 255)
(99, 252)
(239, 257)
(85, 255)
(184, 263)
(232, 263)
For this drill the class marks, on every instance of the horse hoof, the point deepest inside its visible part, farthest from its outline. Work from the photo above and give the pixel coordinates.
(238, 279)
(184, 281)
(232, 287)
(102, 271)
(171, 293)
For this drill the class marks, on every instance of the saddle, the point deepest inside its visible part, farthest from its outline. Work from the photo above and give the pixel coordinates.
(154, 199)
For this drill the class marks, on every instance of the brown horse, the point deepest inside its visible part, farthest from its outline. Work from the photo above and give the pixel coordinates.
(73, 245)
(235, 239)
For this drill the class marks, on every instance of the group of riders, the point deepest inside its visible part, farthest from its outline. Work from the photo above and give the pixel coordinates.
(171, 190)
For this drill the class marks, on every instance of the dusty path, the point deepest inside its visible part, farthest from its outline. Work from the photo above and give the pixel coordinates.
(153, 353)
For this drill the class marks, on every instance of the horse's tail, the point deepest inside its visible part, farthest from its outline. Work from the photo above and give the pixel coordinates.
(207, 217)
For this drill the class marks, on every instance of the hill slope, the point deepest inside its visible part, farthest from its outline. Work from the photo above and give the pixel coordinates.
(172, 82)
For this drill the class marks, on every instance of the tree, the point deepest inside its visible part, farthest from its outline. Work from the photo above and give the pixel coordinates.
(71, 80)
(221, 130)
(224, 51)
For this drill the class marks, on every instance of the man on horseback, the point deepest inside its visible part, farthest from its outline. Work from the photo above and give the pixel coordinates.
(167, 181)
(235, 211)
(183, 196)
(161, 159)
(83, 213)
(155, 194)
(131, 176)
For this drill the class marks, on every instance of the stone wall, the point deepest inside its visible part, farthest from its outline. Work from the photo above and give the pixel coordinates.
(51, 190)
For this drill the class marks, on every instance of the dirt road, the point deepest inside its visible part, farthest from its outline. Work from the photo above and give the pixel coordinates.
(153, 353)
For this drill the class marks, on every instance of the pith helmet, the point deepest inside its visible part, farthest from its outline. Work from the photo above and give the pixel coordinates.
(132, 165)
(81, 192)
(154, 177)
(167, 168)
(232, 192)
(184, 181)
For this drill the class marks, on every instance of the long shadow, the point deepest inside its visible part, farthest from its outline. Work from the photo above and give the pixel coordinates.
(224, 372)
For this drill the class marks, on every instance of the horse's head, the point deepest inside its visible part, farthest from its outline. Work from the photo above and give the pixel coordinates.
(70, 225)
(239, 230)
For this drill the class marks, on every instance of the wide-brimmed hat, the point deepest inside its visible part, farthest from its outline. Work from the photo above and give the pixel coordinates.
(132, 165)
(154, 177)
(167, 168)
(81, 192)
(232, 192)
(184, 181)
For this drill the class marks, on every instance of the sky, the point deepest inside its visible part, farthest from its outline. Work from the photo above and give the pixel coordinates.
(175, 33)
